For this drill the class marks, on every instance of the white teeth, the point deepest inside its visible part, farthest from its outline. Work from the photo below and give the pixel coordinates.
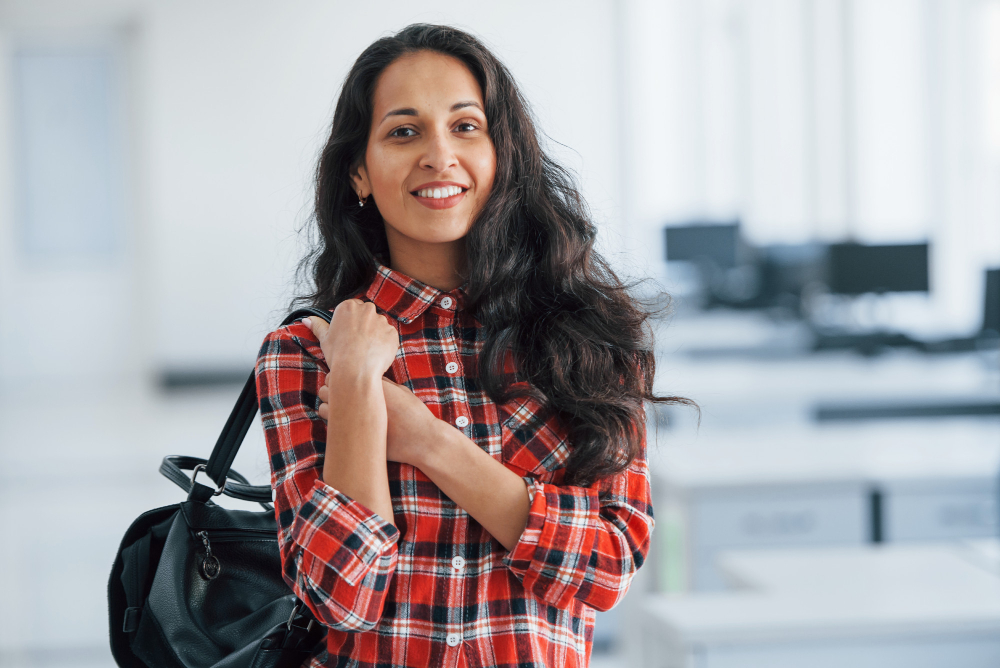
(439, 193)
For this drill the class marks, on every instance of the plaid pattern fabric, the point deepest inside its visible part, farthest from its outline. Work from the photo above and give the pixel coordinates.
(439, 590)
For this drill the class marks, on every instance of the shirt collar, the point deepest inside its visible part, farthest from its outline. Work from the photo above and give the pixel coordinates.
(405, 298)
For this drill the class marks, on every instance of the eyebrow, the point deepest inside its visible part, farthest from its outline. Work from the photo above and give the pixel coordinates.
(410, 111)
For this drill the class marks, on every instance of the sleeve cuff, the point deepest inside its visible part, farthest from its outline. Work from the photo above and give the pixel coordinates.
(556, 544)
(341, 533)
(520, 557)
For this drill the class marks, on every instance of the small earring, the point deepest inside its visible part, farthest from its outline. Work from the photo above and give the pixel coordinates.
(361, 201)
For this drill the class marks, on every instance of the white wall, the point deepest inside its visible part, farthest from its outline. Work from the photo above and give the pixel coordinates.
(66, 317)
(809, 119)
(233, 100)
(238, 98)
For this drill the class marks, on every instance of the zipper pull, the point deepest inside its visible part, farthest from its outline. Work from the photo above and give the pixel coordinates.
(209, 567)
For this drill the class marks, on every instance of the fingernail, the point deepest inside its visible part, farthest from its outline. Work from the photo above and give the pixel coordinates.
(307, 322)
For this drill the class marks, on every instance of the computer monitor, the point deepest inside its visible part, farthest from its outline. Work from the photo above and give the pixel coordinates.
(991, 307)
(714, 242)
(855, 269)
(784, 271)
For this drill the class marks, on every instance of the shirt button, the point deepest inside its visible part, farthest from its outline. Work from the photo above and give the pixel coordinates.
(453, 639)
(451, 367)
(447, 302)
(458, 563)
(462, 421)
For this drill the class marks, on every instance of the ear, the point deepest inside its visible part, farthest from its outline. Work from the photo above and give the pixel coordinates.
(359, 176)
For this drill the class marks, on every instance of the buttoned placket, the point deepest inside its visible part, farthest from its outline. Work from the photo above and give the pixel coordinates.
(452, 353)
(455, 590)
(451, 349)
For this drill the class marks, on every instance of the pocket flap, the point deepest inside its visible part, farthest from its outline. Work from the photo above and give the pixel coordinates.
(534, 440)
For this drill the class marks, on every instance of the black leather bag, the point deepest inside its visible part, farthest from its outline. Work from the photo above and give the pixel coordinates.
(196, 585)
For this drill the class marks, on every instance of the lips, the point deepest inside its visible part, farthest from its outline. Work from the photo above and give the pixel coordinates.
(439, 202)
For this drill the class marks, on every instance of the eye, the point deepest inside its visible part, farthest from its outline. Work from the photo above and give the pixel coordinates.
(393, 133)
(471, 126)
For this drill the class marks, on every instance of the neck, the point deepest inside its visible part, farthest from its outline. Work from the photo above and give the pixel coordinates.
(439, 265)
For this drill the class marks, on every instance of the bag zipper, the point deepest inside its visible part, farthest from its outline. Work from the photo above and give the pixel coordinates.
(209, 566)
(224, 535)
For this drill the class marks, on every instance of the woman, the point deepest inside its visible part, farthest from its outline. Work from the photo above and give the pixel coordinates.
(459, 457)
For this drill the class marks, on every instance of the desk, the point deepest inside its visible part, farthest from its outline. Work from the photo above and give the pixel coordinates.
(812, 485)
(787, 384)
(983, 553)
(863, 607)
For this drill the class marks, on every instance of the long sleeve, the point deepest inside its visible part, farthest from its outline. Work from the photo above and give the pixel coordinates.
(585, 542)
(337, 555)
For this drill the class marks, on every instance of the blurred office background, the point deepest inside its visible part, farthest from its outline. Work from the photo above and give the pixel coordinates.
(816, 183)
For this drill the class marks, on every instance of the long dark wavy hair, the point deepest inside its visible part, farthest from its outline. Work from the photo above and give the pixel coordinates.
(535, 283)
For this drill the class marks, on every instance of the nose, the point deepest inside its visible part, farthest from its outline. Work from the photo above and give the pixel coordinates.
(439, 155)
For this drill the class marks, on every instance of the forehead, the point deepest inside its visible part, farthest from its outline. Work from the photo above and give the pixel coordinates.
(426, 81)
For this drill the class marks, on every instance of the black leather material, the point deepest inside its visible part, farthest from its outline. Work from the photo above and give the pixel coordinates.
(196, 585)
(173, 467)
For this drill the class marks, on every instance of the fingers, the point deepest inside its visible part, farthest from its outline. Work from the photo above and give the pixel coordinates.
(353, 304)
(324, 390)
(324, 396)
(358, 335)
(316, 325)
(357, 311)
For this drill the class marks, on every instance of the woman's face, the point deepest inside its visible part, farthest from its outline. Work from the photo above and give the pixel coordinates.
(428, 140)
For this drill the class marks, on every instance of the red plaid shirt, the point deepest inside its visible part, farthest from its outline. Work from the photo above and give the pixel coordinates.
(436, 589)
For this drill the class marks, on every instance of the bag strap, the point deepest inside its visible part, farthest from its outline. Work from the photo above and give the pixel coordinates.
(239, 422)
(173, 466)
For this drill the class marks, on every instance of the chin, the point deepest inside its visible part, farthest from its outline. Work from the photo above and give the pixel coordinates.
(435, 234)
(444, 238)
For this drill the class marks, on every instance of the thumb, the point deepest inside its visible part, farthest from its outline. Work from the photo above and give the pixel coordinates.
(317, 326)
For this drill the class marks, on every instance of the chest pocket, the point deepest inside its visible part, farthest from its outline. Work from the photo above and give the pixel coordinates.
(534, 443)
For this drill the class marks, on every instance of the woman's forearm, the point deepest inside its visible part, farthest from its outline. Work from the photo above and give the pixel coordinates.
(355, 461)
(492, 494)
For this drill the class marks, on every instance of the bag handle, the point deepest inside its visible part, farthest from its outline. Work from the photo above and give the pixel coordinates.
(238, 424)
(173, 466)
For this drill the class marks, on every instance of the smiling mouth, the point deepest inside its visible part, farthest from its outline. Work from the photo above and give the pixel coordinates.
(442, 193)
(440, 202)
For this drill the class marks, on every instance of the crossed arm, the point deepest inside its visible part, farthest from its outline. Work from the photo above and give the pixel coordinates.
(492, 494)
(371, 420)
(339, 549)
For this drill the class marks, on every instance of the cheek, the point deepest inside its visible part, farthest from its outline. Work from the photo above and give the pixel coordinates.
(388, 177)
(485, 170)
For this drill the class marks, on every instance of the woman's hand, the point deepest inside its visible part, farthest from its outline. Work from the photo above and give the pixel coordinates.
(358, 342)
(412, 427)
(359, 345)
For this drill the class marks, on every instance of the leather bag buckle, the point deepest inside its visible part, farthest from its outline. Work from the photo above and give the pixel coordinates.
(194, 474)
(295, 611)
